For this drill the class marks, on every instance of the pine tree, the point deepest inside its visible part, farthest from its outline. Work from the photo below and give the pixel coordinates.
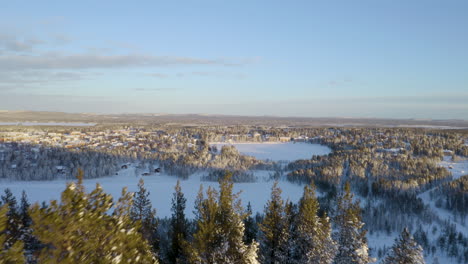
(12, 253)
(405, 251)
(179, 228)
(78, 228)
(351, 237)
(220, 228)
(274, 230)
(142, 211)
(313, 240)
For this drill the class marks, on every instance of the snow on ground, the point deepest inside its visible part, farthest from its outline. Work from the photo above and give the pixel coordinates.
(378, 240)
(276, 151)
(457, 168)
(161, 188)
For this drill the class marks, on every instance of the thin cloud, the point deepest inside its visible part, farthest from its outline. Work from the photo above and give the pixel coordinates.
(342, 82)
(31, 78)
(158, 75)
(155, 89)
(14, 44)
(62, 39)
(213, 74)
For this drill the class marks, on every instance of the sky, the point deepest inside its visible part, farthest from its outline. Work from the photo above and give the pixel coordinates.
(390, 59)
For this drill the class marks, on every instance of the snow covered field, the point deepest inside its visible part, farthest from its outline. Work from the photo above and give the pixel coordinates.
(457, 168)
(279, 151)
(161, 187)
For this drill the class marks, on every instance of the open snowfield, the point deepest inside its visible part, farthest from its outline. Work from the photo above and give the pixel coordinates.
(457, 168)
(278, 151)
(161, 187)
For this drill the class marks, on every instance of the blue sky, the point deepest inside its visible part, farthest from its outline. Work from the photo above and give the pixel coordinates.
(393, 59)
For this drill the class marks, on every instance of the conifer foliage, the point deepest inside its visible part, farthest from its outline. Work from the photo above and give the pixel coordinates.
(250, 226)
(405, 251)
(351, 237)
(220, 228)
(13, 219)
(178, 228)
(143, 212)
(30, 242)
(313, 240)
(78, 228)
(9, 253)
(275, 230)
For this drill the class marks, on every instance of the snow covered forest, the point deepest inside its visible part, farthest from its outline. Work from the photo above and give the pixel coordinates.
(223, 231)
(381, 195)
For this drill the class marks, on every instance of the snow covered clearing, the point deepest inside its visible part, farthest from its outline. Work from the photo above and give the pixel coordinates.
(161, 187)
(457, 168)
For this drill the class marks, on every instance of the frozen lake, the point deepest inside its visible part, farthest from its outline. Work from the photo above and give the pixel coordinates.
(161, 188)
(289, 151)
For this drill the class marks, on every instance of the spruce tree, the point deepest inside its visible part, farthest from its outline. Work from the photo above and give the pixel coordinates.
(204, 239)
(13, 224)
(143, 212)
(351, 237)
(78, 228)
(30, 242)
(250, 226)
(9, 253)
(313, 238)
(220, 228)
(291, 214)
(405, 251)
(274, 230)
(178, 228)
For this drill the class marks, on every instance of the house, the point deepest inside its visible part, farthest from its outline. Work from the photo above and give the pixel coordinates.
(301, 139)
(60, 169)
(448, 152)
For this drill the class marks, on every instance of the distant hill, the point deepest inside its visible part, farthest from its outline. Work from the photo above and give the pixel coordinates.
(203, 119)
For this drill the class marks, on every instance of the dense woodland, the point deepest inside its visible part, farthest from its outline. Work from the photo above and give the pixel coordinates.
(400, 157)
(453, 196)
(388, 169)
